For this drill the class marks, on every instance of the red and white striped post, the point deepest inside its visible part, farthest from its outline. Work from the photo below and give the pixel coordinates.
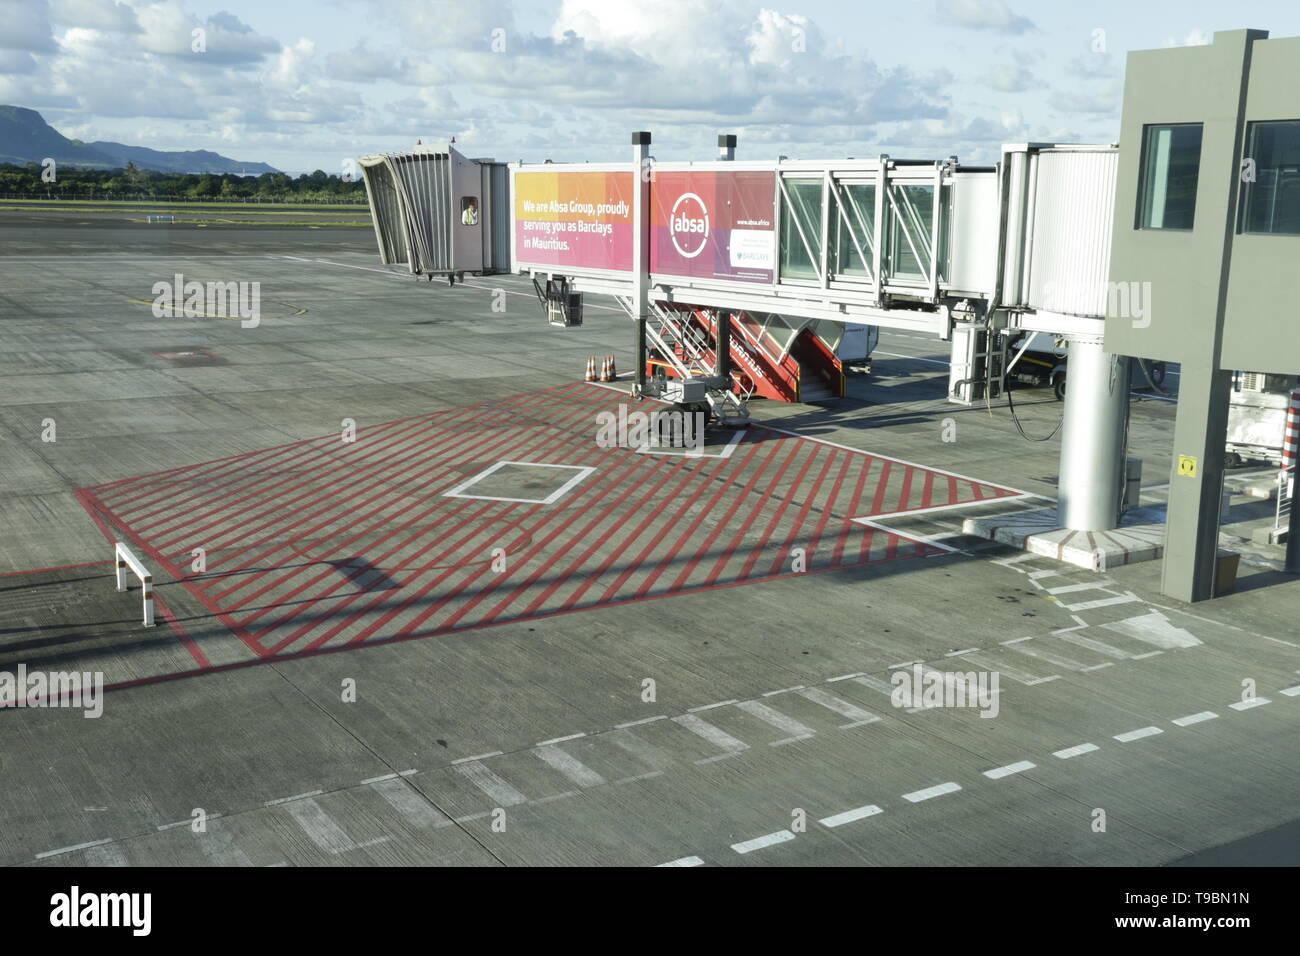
(1287, 483)
(1291, 433)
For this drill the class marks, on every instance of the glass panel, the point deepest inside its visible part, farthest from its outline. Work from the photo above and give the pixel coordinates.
(1272, 202)
(911, 223)
(859, 208)
(1171, 161)
(801, 229)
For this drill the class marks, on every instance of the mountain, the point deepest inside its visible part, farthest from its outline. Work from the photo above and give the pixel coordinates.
(25, 137)
(188, 161)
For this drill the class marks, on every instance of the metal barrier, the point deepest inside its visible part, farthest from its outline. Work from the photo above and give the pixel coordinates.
(123, 559)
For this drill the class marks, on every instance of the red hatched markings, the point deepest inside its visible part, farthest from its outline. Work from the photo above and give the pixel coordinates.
(322, 544)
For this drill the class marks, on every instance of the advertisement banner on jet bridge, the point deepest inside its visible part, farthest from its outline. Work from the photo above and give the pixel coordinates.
(574, 220)
(713, 225)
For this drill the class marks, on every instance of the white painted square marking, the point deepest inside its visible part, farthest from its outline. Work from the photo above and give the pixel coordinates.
(1291, 691)
(554, 496)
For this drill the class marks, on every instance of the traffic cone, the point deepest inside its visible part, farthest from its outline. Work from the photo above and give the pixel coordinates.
(591, 368)
(613, 372)
(604, 370)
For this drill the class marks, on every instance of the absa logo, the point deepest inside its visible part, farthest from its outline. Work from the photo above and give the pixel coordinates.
(688, 225)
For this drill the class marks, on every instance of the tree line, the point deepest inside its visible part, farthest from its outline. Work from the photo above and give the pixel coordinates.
(27, 182)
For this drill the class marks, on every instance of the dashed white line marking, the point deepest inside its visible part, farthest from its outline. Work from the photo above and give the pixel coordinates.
(832, 680)
(1092, 644)
(641, 776)
(879, 685)
(301, 796)
(106, 855)
(758, 843)
(1138, 734)
(641, 750)
(494, 753)
(684, 861)
(184, 823)
(643, 720)
(930, 793)
(780, 721)
(218, 845)
(1290, 691)
(557, 796)
(721, 703)
(1127, 597)
(497, 789)
(570, 766)
(1248, 704)
(1075, 751)
(856, 714)
(966, 650)
(848, 816)
(408, 801)
(714, 735)
(783, 690)
(319, 827)
(1194, 718)
(1072, 588)
(71, 849)
(997, 773)
(370, 780)
(560, 740)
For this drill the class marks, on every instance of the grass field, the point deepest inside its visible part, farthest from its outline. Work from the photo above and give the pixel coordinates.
(135, 205)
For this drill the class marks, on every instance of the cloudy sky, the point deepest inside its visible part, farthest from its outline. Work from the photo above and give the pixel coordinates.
(306, 84)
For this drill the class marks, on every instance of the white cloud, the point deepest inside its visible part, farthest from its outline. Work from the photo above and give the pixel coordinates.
(984, 15)
(1011, 78)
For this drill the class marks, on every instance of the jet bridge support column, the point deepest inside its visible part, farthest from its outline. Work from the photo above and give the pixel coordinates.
(643, 173)
(1093, 437)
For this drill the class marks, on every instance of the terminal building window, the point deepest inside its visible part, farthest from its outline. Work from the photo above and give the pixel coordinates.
(1272, 179)
(801, 229)
(1171, 161)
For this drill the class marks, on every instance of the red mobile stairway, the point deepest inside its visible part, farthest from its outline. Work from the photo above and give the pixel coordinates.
(770, 357)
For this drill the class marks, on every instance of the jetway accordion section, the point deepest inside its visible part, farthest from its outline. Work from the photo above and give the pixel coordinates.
(1060, 211)
(438, 212)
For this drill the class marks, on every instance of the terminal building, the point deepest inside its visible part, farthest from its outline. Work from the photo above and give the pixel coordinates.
(746, 278)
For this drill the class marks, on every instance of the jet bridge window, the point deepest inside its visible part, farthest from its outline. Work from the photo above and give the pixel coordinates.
(853, 219)
(911, 228)
(469, 211)
(801, 228)
(1171, 161)
(1271, 178)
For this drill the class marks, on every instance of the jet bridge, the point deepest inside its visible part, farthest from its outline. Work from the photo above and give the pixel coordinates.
(701, 253)
(437, 212)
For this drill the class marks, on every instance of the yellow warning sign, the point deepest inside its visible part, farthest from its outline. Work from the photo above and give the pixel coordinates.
(1187, 466)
